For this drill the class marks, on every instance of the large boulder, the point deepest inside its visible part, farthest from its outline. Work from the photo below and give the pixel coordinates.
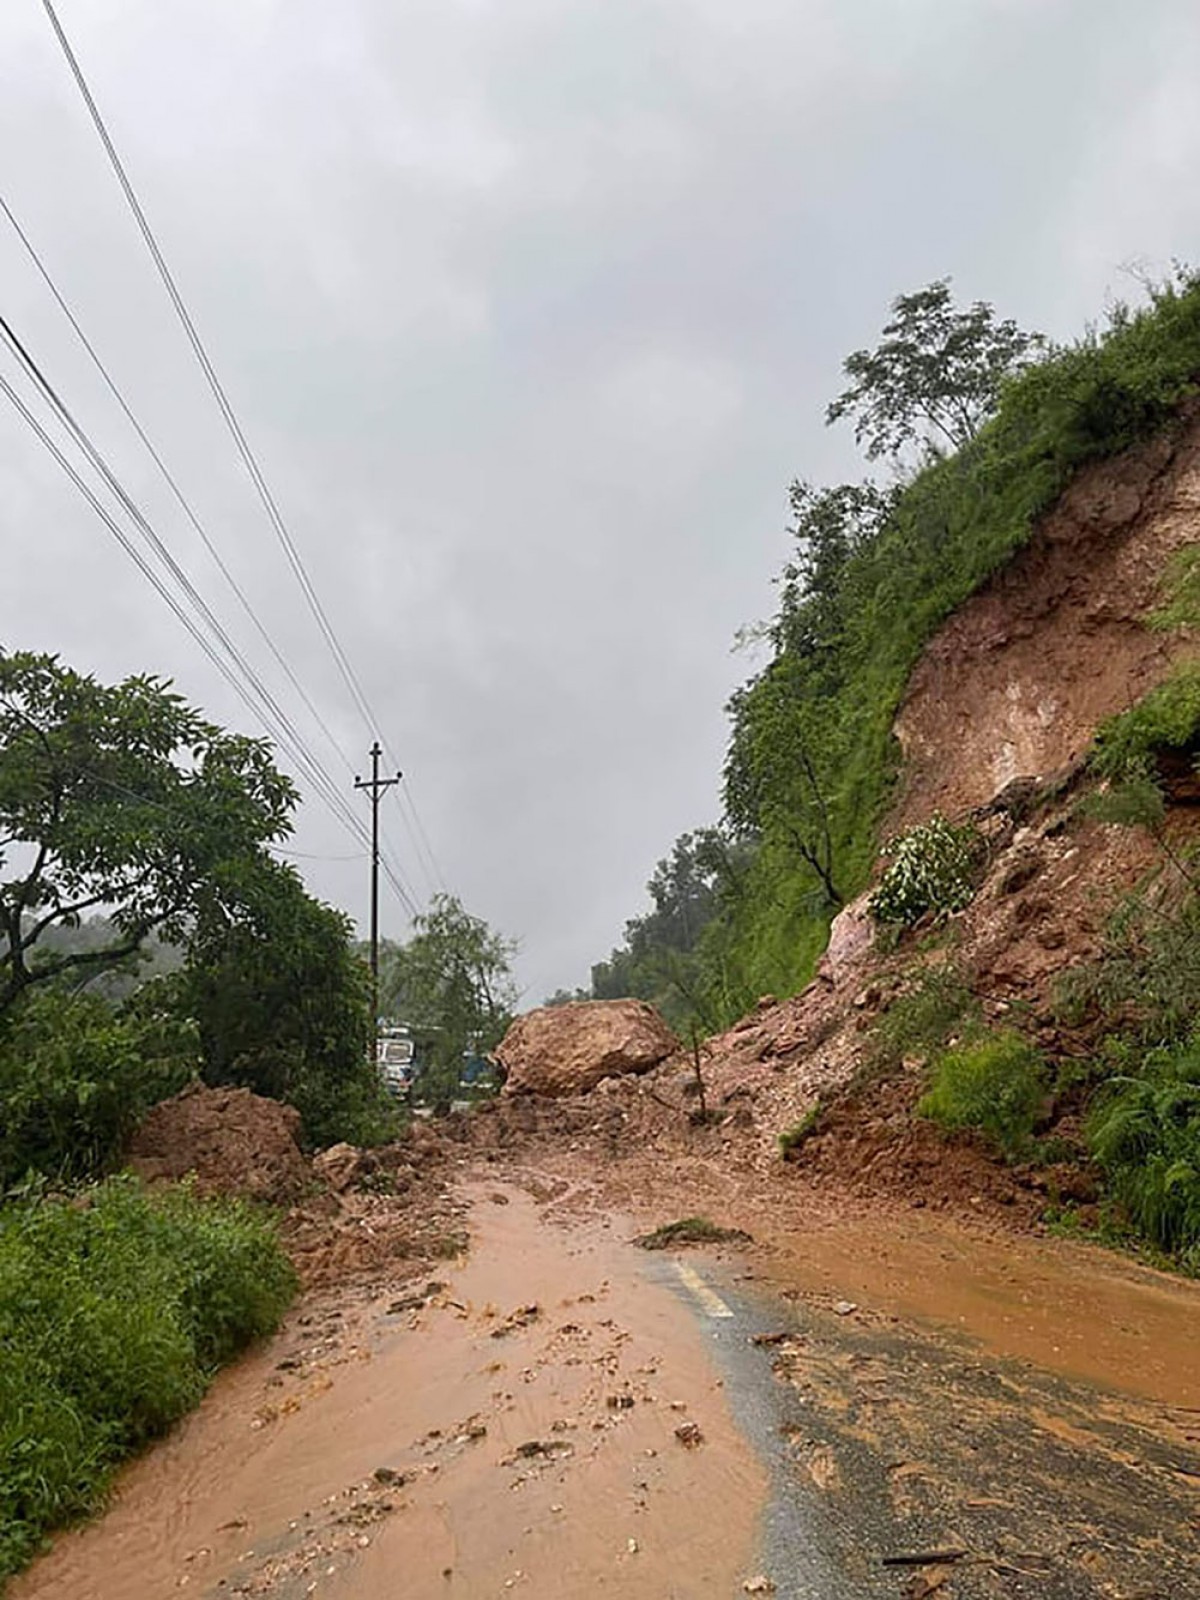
(559, 1050)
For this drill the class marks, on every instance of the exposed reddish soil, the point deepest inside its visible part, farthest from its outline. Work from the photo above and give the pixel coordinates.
(230, 1141)
(1018, 679)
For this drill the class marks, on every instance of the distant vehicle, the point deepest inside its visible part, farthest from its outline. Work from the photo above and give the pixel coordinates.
(394, 1057)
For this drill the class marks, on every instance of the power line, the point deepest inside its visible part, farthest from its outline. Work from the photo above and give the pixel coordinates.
(171, 481)
(223, 403)
(228, 414)
(425, 845)
(249, 687)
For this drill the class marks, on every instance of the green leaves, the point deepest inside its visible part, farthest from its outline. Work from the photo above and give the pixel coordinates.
(452, 982)
(936, 375)
(932, 870)
(121, 797)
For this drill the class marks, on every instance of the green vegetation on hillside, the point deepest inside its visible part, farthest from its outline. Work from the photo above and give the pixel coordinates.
(811, 758)
(115, 1311)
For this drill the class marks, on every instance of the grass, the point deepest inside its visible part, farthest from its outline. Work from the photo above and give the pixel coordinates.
(690, 1230)
(116, 1308)
(995, 1085)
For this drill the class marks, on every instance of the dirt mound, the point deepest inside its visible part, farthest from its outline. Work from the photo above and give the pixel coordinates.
(564, 1050)
(233, 1141)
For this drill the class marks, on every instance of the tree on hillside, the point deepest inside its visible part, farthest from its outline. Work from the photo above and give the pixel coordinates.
(661, 959)
(283, 1006)
(452, 984)
(780, 766)
(121, 798)
(936, 373)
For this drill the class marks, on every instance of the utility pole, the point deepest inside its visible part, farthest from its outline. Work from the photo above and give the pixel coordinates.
(375, 787)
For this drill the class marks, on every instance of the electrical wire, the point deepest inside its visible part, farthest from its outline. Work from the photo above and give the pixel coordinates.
(248, 686)
(224, 405)
(228, 413)
(171, 482)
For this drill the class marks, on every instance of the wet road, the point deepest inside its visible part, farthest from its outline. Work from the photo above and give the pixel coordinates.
(886, 1441)
(561, 1414)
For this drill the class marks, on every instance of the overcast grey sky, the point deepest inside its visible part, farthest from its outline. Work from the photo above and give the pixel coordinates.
(531, 309)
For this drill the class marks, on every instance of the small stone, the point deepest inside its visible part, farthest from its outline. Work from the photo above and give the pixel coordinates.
(632, 1546)
(759, 1585)
(845, 1308)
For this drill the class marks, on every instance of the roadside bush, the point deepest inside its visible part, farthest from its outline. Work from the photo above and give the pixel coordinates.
(932, 870)
(1144, 1131)
(995, 1085)
(115, 1310)
(76, 1077)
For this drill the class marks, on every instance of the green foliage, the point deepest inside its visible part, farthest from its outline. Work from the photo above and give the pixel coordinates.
(1144, 1131)
(937, 372)
(114, 1313)
(690, 1230)
(1145, 986)
(671, 956)
(938, 1006)
(932, 870)
(1181, 591)
(1168, 718)
(76, 1077)
(452, 984)
(283, 1007)
(119, 797)
(995, 1085)
(811, 752)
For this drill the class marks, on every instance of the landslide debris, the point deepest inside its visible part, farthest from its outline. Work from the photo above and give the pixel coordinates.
(230, 1141)
(569, 1049)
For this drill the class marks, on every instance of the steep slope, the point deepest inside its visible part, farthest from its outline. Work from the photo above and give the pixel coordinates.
(1018, 680)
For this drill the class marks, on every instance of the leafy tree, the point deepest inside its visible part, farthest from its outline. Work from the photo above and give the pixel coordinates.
(937, 371)
(831, 528)
(118, 797)
(452, 984)
(663, 959)
(283, 1006)
(779, 771)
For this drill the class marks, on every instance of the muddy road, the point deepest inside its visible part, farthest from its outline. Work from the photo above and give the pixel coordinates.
(856, 1412)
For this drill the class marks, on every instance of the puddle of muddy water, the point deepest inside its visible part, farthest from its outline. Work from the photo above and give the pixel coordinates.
(512, 1431)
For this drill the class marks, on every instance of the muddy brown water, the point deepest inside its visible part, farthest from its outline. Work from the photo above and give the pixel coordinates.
(514, 1433)
(513, 1428)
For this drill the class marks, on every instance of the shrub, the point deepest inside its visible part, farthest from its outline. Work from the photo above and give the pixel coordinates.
(995, 1085)
(939, 1004)
(1144, 1131)
(76, 1077)
(115, 1310)
(1168, 718)
(794, 1137)
(932, 870)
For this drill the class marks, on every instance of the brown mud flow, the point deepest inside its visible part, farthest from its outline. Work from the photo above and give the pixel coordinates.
(545, 1421)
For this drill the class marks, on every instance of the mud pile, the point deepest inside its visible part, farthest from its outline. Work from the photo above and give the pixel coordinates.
(231, 1141)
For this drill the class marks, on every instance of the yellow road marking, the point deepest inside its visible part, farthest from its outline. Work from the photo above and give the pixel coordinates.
(710, 1301)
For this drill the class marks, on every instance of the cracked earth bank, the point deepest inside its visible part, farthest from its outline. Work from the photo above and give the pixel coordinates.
(558, 1414)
